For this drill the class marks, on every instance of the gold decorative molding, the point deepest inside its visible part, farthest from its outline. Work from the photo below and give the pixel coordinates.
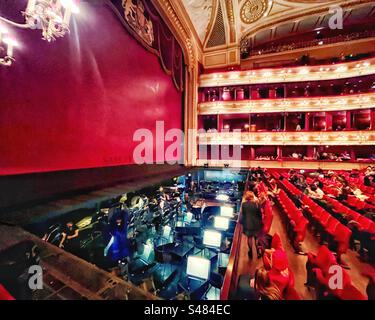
(281, 138)
(135, 16)
(296, 12)
(324, 165)
(293, 74)
(226, 52)
(177, 21)
(183, 34)
(253, 10)
(319, 52)
(232, 21)
(227, 56)
(316, 104)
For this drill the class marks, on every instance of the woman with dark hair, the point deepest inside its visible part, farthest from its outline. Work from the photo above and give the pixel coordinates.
(251, 220)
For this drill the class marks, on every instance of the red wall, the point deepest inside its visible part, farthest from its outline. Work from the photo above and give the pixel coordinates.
(75, 103)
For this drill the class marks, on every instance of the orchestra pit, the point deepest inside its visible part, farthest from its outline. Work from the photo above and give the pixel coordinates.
(196, 150)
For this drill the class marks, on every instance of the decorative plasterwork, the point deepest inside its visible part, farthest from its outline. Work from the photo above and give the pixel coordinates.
(200, 14)
(253, 10)
(135, 16)
(339, 103)
(295, 74)
(232, 21)
(183, 33)
(243, 19)
(318, 138)
(288, 11)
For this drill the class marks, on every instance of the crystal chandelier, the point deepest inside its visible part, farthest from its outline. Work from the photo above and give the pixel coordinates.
(50, 16)
(6, 47)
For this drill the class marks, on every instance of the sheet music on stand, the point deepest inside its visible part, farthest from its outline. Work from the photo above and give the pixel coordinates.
(213, 294)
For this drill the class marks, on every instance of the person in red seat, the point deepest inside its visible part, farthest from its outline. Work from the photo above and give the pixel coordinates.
(258, 288)
(267, 289)
(274, 189)
(280, 274)
(251, 220)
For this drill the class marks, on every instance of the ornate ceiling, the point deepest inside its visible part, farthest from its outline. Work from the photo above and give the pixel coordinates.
(218, 27)
(199, 12)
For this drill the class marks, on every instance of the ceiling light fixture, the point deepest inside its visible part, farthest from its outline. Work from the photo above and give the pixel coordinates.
(51, 16)
(7, 45)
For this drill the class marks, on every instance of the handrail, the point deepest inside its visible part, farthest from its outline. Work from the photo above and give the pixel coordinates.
(282, 47)
(231, 272)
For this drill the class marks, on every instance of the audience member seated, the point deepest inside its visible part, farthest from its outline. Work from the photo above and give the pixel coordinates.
(280, 274)
(258, 288)
(314, 192)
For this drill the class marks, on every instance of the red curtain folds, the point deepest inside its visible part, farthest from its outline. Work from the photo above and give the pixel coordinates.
(165, 45)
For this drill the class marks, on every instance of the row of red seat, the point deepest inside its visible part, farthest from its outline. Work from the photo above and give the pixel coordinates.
(274, 174)
(358, 204)
(267, 216)
(339, 233)
(364, 223)
(290, 187)
(331, 190)
(294, 216)
(321, 265)
(359, 182)
(366, 189)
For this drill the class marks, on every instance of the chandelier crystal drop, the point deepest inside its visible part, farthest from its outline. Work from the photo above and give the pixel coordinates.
(51, 16)
(7, 45)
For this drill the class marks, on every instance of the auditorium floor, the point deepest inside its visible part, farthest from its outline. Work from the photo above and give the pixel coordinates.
(298, 262)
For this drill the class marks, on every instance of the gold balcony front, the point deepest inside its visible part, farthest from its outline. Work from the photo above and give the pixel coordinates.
(313, 138)
(318, 104)
(293, 74)
(285, 164)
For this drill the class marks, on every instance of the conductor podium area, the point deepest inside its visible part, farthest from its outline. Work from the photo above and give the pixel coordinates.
(184, 238)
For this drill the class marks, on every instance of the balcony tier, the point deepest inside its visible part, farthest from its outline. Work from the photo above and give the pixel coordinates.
(338, 103)
(324, 165)
(317, 138)
(293, 74)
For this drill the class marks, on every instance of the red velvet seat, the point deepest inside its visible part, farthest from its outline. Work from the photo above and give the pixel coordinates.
(343, 235)
(332, 225)
(371, 229)
(267, 217)
(350, 292)
(4, 294)
(323, 259)
(276, 242)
